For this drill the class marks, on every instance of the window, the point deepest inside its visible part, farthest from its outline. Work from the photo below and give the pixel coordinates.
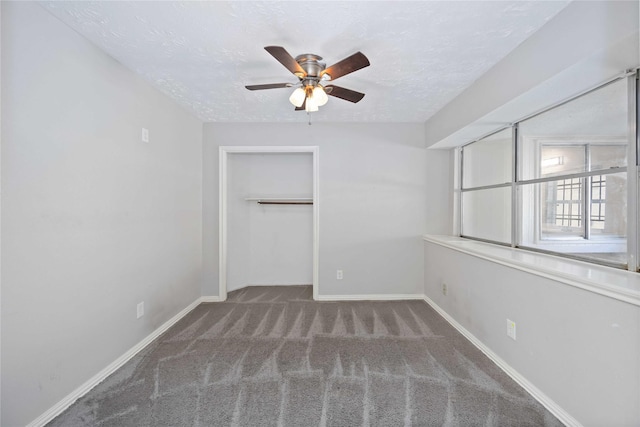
(486, 198)
(563, 206)
(569, 193)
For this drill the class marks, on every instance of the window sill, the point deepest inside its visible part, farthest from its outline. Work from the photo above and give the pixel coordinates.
(611, 282)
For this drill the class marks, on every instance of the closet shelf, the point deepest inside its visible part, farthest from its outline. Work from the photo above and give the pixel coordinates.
(280, 200)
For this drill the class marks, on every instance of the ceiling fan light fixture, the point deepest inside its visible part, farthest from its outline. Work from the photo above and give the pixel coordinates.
(297, 97)
(320, 96)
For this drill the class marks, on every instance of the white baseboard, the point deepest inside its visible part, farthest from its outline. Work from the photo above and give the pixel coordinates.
(376, 297)
(59, 407)
(212, 298)
(544, 400)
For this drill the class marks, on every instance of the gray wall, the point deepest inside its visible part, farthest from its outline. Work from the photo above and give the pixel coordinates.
(373, 209)
(269, 244)
(93, 220)
(581, 349)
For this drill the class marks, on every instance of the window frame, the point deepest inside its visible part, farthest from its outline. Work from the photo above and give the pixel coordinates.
(587, 142)
(632, 171)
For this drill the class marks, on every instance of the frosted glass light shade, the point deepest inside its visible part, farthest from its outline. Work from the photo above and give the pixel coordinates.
(297, 97)
(320, 96)
(311, 105)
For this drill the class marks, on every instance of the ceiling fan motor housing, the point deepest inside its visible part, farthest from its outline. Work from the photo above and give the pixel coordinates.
(311, 64)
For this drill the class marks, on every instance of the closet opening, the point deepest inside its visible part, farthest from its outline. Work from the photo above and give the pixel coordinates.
(268, 217)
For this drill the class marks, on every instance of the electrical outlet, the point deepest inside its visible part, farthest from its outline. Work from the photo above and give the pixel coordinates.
(444, 289)
(511, 329)
(140, 309)
(145, 135)
(339, 275)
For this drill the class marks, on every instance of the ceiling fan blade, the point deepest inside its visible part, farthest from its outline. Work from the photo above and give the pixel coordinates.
(269, 86)
(302, 107)
(342, 93)
(348, 65)
(286, 59)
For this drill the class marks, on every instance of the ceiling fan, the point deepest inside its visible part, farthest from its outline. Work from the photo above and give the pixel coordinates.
(310, 71)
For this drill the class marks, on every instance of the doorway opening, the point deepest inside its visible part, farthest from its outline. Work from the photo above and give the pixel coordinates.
(251, 199)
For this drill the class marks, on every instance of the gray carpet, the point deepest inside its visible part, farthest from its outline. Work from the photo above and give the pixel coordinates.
(271, 356)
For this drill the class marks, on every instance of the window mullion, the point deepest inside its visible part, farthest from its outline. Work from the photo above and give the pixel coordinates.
(460, 187)
(632, 174)
(515, 220)
(586, 195)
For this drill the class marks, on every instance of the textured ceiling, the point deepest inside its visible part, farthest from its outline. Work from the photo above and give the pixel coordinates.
(202, 54)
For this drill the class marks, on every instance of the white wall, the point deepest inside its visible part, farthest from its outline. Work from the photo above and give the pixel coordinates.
(269, 244)
(93, 220)
(581, 349)
(373, 209)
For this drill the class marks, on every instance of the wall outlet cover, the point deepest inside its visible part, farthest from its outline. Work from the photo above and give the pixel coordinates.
(140, 309)
(339, 275)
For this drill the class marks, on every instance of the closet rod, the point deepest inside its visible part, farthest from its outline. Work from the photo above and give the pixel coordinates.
(260, 202)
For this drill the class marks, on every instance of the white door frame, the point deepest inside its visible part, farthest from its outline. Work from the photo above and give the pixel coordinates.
(224, 152)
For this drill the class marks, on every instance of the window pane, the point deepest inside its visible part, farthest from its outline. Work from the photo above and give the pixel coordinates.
(554, 217)
(607, 156)
(487, 214)
(561, 160)
(488, 161)
(608, 214)
(561, 208)
(586, 134)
